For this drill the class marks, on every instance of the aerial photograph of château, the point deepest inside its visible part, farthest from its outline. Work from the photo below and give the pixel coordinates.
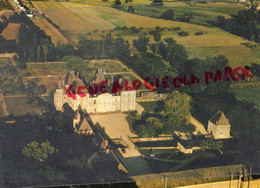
(130, 93)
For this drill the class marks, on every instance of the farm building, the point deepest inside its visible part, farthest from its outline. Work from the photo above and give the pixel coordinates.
(219, 126)
(81, 125)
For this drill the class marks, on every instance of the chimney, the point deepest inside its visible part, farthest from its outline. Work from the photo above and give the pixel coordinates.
(77, 76)
(108, 82)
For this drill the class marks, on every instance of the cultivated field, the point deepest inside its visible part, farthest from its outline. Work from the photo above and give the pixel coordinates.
(77, 19)
(74, 19)
(11, 32)
(50, 30)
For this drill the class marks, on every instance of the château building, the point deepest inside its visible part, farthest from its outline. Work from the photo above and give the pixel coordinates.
(219, 126)
(94, 103)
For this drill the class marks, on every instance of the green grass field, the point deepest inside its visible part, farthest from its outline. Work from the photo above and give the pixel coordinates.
(19, 107)
(249, 94)
(45, 69)
(202, 13)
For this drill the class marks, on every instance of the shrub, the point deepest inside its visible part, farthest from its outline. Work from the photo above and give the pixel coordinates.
(131, 9)
(124, 28)
(95, 31)
(157, 3)
(117, 2)
(89, 33)
(176, 28)
(135, 30)
(183, 33)
(199, 33)
(117, 28)
(168, 14)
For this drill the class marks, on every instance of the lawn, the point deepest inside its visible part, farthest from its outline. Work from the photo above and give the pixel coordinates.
(152, 106)
(19, 107)
(249, 94)
(46, 69)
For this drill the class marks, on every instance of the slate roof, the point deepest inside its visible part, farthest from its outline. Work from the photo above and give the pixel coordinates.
(219, 119)
(99, 77)
(84, 126)
(71, 77)
(78, 83)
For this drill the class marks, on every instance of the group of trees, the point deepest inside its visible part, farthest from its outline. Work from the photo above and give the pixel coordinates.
(174, 115)
(243, 24)
(107, 47)
(39, 152)
(33, 43)
(34, 92)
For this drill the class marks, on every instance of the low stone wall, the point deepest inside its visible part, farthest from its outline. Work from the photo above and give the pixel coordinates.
(163, 138)
(197, 178)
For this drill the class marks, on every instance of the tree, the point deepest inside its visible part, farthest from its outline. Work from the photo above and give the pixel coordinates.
(45, 51)
(88, 48)
(157, 3)
(131, 9)
(156, 34)
(141, 43)
(177, 106)
(117, 2)
(141, 130)
(173, 53)
(168, 14)
(74, 63)
(155, 122)
(186, 17)
(39, 152)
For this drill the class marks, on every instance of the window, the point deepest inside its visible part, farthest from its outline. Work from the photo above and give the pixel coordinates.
(125, 100)
(94, 101)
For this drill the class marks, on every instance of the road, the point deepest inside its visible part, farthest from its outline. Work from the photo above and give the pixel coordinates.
(56, 76)
(46, 63)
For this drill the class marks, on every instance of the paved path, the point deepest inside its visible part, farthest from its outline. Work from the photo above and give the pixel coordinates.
(116, 126)
(55, 76)
(46, 63)
(21, 96)
(199, 126)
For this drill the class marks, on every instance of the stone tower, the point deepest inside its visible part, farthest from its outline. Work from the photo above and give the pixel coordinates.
(58, 96)
(219, 126)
